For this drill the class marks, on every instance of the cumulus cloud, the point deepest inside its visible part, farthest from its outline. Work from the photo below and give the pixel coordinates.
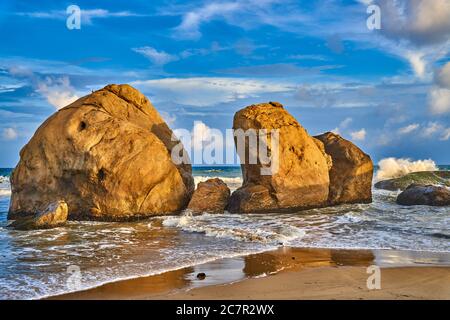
(394, 168)
(442, 76)
(358, 135)
(58, 92)
(421, 22)
(409, 128)
(9, 134)
(439, 100)
(205, 91)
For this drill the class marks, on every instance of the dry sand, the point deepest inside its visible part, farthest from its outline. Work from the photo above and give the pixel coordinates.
(291, 273)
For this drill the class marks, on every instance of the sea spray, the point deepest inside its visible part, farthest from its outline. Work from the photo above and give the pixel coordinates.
(394, 168)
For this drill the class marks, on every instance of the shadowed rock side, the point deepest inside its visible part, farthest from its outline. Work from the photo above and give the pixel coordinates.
(423, 177)
(302, 179)
(428, 195)
(211, 196)
(107, 155)
(351, 171)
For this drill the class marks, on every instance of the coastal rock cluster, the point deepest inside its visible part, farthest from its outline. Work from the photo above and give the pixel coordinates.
(107, 156)
(429, 188)
(312, 172)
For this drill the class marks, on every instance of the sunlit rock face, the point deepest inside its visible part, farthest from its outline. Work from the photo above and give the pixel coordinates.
(107, 155)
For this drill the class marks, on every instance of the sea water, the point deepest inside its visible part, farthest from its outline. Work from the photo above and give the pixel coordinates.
(35, 264)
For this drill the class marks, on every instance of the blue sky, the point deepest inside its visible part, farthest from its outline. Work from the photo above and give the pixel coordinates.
(387, 90)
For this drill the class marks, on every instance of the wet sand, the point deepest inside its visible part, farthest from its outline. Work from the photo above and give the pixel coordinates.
(293, 273)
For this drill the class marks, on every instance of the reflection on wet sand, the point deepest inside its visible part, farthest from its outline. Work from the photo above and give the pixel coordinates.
(226, 271)
(296, 259)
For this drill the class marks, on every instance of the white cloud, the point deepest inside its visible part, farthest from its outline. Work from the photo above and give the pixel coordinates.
(443, 76)
(86, 15)
(420, 22)
(342, 125)
(358, 135)
(155, 56)
(205, 91)
(439, 100)
(346, 122)
(192, 20)
(58, 92)
(431, 129)
(409, 128)
(416, 59)
(168, 118)
(445, 135)
(9, 134)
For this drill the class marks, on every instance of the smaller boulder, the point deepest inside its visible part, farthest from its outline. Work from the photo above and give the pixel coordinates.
(429, 195)
(422, 178)
(351, 170)
(55, 215)
(211, 196)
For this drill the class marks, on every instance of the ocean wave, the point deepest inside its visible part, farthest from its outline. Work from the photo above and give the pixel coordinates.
(279, 235)
(4, 179)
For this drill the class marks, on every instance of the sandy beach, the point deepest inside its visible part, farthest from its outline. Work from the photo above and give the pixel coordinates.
(292, 273)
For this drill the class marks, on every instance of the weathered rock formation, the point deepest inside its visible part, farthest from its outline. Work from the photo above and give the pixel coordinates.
(423, 178)
(351, 171)
(55, 215)
(302, 179)
(107, 155)
(428, 195)
(211, 196)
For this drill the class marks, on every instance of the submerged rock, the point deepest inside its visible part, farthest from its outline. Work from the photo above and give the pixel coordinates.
(211, 196)
(55, 215)
(108, 155)
(423, 178)
(302, 179)
(429, 195)
(351, 171)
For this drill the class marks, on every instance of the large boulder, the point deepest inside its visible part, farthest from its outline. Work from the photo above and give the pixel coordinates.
(211, 196)
(55, 215)
(108, 155)
(351, 171)
(302, 179)
(429, 195)
(422, 177)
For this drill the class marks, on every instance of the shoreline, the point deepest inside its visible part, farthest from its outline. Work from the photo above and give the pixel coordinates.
(291, 273)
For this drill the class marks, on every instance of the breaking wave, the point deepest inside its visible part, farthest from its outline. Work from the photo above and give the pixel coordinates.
(394, 168)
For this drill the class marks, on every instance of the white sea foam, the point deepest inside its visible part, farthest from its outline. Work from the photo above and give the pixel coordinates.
(5, 192)
(4, 179)
(227, 180)
(281, 234)
(395, 168)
